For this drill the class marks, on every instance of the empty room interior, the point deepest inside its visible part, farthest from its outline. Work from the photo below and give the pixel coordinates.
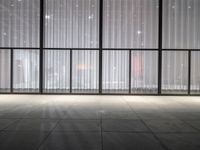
(99, 74)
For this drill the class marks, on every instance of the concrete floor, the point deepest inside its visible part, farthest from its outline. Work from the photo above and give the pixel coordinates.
(53, 122)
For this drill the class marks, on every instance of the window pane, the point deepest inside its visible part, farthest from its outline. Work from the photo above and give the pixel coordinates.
(72, 23)
(85, 71)
(115, 71)
(181, 24)
(130, 24)
(19, 23)
(195, 72)
(175, 72)
(57, 71)
(144, 71)
(26, 71)
(4, 70)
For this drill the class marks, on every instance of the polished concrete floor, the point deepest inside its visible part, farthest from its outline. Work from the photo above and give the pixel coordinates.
(52, 122)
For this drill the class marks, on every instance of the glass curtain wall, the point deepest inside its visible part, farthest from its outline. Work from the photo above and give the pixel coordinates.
(72, 46)
(181, 30)
(19, 28)
(130, 24)
(73, 24)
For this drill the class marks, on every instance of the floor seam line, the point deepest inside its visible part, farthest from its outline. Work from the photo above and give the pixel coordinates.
(101, 122)
(42, 142)
(198, 130)
(16, 121)
(153, 134)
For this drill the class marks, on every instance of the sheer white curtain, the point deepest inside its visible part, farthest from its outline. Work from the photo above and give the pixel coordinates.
(56, 70)
(181, 29)
(19, 23)
(85, 71)
(130, 24)
(115, 71)
(195, 72)
(75, 24)
(4, 70)
(72, 23)
(144, 71)
(26, 70)
(181, 24)
(175, 72)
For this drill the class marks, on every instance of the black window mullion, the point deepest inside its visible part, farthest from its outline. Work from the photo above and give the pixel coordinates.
(130, 66)
(100, 43)
(160, 47)
(11, 71)
(189, 71)
(41, 44)
(70, 82)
